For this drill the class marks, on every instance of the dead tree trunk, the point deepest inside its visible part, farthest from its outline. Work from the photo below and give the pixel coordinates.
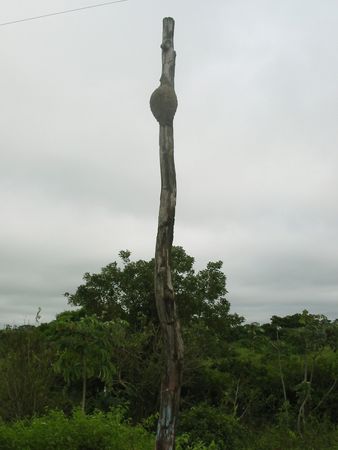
(163, 104)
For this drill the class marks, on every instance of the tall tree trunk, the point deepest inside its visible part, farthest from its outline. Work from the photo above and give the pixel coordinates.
(163, 104)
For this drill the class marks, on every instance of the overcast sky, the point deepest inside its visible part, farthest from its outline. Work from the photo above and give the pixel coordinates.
(255, 146)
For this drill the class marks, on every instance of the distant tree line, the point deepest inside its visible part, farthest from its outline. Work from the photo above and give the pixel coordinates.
(278, 379)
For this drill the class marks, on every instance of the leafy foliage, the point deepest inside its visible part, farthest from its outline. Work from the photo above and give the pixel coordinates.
(127, 292)
(55, 431)
(245, 386)
(27, 385)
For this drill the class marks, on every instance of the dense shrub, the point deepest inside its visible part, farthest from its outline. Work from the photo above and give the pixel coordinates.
(109, 431)
(80, 432)
(207, 424)
(315, 437)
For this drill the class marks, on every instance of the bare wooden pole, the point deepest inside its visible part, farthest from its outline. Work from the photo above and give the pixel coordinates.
(163, 104)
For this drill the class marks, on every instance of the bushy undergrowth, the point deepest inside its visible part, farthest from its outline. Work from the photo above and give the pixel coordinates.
(109, 431)
(79, 432)
(208, 428)
(273, 438)
(204, 423)
(320, 437)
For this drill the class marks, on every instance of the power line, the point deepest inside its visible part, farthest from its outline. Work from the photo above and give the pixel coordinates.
(61, 12)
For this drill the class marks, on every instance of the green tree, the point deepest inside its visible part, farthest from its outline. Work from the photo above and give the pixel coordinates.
(85, 349)
(27, 385)
(304, 346)
(126, 291)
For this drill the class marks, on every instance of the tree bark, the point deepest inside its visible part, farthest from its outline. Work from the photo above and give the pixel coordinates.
(163, 104)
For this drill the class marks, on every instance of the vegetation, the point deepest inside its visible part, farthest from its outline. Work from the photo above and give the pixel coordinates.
(90, 379)
(55, 431)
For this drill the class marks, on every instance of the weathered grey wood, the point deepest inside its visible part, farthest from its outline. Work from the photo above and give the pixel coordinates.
(163, 104)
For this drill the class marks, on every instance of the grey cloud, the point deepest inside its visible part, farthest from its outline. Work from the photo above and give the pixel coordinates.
(255, 143)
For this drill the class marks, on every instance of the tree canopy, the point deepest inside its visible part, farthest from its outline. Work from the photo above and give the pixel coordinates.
(279, 378)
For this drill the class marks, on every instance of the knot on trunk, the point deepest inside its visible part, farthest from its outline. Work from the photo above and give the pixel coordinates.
(163, 104)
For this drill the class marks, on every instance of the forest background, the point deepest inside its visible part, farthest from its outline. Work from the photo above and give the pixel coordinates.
(90, 378)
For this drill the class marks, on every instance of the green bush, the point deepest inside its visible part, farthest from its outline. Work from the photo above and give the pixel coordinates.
(315, 437)
(80, 432)
(212, 427)
(183, 442)
(206, 428)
